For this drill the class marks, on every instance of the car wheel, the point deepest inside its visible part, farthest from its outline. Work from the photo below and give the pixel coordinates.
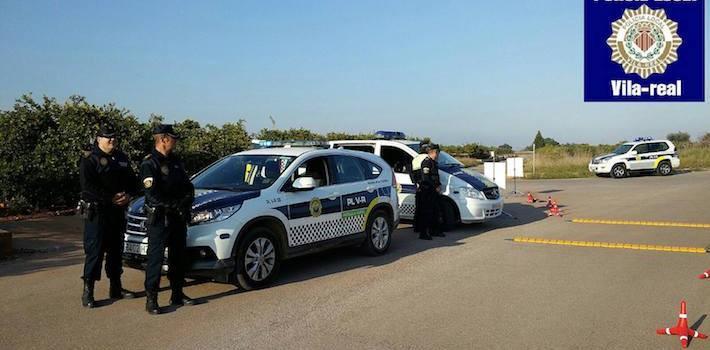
(257, 259)
(618, 171)
(664, 168)
(449, 217)
(378, 233)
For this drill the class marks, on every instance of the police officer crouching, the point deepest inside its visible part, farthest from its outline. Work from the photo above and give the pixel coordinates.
(168, 199)
(107, 185)
(430, 211)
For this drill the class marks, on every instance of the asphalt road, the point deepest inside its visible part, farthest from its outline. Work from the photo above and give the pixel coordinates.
(474, 289)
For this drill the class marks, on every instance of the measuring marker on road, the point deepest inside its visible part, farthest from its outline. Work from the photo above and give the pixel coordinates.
(632, 246)
(640, 223)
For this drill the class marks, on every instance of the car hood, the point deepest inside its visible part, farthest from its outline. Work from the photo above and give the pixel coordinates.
(460, 173)
(606, 156)
(205, 200)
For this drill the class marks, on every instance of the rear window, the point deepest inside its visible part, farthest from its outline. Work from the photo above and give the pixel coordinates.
(347, 169)
(658, 147)
(371, 170)
(361, 148)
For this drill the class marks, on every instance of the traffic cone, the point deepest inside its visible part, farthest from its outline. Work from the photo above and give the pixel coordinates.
(681, 329)
(554, 210)
(549, 202)
(704, 275)
(531, 199)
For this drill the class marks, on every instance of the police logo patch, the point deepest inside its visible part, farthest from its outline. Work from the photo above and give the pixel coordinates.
(148, 182)
(425, 170)
(644, 41)
(103, 161)
(165, 170)
(123, 164)
(315, 207)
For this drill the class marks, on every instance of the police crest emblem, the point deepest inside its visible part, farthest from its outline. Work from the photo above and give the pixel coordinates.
(165, 169)
(103, 161)
(644, 41)
(315, 207)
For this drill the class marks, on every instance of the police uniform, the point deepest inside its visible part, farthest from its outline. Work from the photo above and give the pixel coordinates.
(102, 176)
(168, 198)
(430, 211)
(416, 177)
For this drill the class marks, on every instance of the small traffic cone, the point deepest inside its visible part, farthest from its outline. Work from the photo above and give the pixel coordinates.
(681, 329)
(554, 210)
(549, 202)
(704, 275)
(531, 199)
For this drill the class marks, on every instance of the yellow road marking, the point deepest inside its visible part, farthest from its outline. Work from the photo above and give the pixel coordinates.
(632, 246)
(640, 223)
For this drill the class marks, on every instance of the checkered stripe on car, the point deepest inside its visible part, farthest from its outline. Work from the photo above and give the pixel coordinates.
(324, 230)
(406, 210)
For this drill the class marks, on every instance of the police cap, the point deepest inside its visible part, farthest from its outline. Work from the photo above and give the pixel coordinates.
(166, 129)
(107, 131)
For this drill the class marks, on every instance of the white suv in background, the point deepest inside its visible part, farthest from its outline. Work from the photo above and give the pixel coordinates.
(646, 155)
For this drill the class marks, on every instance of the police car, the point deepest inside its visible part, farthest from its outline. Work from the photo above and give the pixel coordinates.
(642, 155)
(469, 196)
(256, 208)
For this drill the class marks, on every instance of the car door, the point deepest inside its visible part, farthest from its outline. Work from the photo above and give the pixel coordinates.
(401, 163)
(357, 196)
(313, 215)
(640, 160)
(656, 150)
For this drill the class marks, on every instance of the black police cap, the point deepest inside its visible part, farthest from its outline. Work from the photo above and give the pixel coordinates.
(166, 129)
(433, 147)
(107, 131)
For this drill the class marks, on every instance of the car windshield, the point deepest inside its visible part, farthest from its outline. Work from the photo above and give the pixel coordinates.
(243, 172)
(622, 149)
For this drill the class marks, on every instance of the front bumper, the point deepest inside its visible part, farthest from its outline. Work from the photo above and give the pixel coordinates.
(601, 168)
(479, 210)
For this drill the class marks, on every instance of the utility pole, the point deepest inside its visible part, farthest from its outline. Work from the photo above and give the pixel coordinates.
(273, 122)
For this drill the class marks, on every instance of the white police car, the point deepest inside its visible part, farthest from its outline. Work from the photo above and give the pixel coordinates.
(470, 197)
(642, 155)
(256, 208)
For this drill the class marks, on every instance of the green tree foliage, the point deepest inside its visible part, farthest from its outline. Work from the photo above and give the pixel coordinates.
(504, 149)
(678, 137)
(539, 141)
(705, 139)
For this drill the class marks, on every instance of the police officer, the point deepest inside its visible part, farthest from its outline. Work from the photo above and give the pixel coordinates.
(417, 179)
(168, 198)
(430, 191)
(107, 185)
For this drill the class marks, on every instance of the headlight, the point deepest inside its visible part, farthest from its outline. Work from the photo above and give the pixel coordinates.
(214, 215)
(604, 160)
(470, 192)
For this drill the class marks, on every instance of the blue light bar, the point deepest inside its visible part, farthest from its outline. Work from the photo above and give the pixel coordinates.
(640, 139)
(288, 144)
(390, 135)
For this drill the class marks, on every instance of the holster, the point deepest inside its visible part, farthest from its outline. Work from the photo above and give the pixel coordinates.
(87, 210)
(154, 214)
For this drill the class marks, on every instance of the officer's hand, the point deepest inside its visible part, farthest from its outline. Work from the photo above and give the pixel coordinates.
(121, 199)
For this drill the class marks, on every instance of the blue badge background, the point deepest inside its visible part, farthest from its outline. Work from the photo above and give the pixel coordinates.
(599, 69)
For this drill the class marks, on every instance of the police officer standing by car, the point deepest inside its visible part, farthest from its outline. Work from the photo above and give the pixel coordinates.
(107, 185)
(430, 190)
(168, 199)
(417, 180)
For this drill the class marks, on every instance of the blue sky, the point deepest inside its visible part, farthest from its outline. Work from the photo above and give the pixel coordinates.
(460, 71)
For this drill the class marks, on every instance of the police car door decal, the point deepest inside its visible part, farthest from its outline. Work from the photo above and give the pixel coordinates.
(314, 220)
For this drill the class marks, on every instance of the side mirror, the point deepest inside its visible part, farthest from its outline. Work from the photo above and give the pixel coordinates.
(304, 184)
(633, 153)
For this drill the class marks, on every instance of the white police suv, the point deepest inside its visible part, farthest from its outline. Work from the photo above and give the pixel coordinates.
(469, 196)
(254, 209)
(642, 155)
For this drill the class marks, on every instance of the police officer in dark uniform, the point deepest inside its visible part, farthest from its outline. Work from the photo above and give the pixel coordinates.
(168, 198)
(430, 191)
(107, 185)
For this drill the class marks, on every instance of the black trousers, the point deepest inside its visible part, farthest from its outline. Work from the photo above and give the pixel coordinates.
(103, 235)
(161, 236)
(417, 211)
(430, 211)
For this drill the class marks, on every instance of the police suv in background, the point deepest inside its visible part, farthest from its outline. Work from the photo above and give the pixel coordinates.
(642, 155)
(254, 209)
(468, 196)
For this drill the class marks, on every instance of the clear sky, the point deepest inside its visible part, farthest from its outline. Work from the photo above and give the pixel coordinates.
(460, 71)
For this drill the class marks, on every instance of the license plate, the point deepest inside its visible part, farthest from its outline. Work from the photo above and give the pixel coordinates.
(135, 248)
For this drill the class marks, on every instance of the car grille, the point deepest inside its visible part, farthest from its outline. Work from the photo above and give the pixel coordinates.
(491, 213)
(136, 225)
(491, 193)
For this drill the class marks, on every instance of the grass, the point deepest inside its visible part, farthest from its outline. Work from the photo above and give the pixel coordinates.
(571, 161)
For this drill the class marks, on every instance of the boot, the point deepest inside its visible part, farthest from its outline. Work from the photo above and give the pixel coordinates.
(87, 298)
(425, 236)
(178, 298)
(116, 290)
(151, 303)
